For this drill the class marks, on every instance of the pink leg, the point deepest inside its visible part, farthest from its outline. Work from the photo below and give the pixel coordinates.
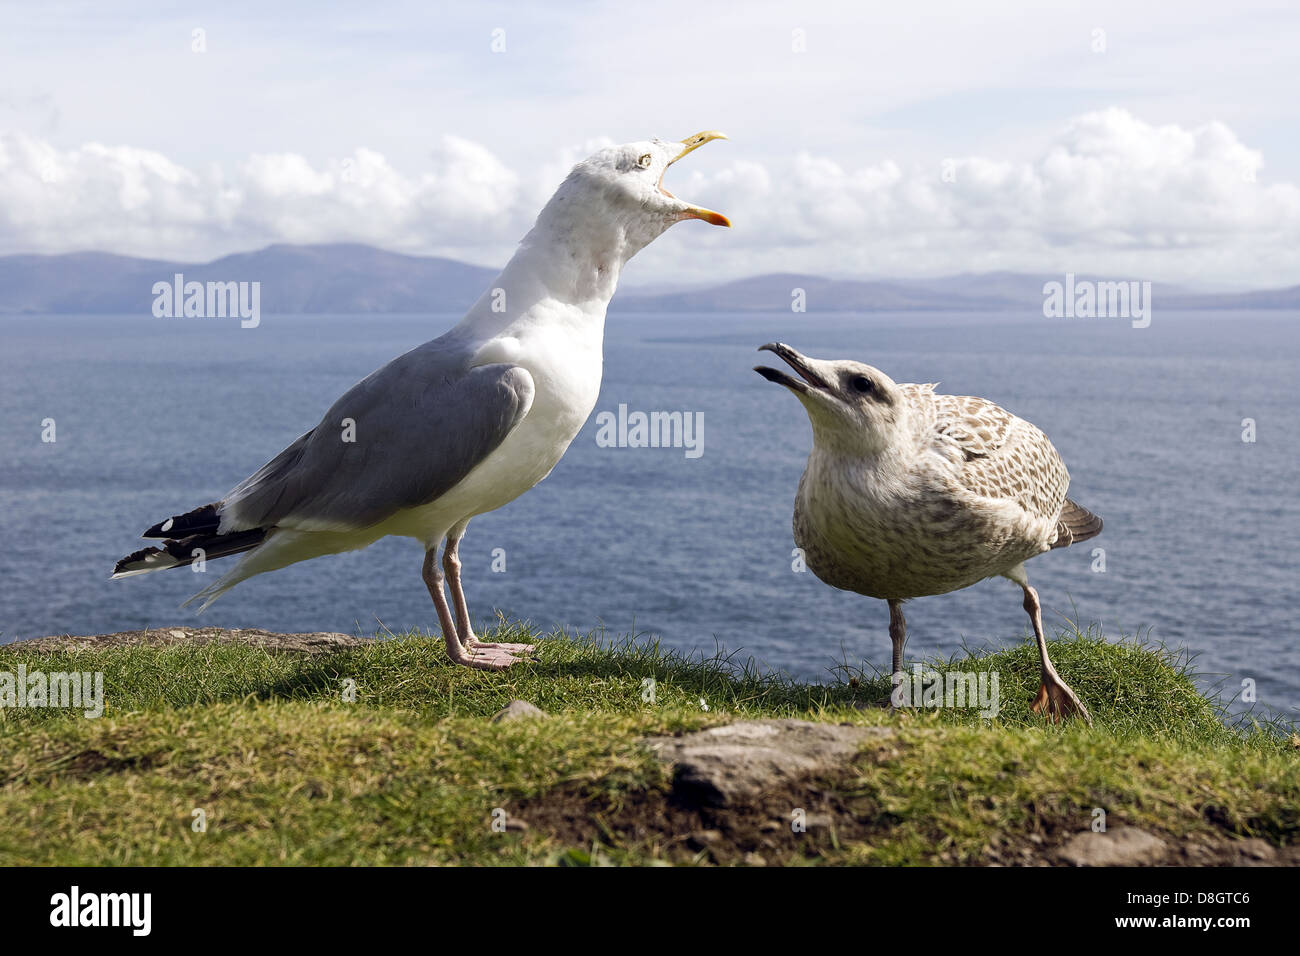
(1055, 699)
(451, 564)
(897, 633)
(488, 660)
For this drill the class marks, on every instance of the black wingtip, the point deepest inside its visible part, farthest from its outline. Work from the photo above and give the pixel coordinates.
(138, 562)
(124, 564)
(179, 553)
(203, 520)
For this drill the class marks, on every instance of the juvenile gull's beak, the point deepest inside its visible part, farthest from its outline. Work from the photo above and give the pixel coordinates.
(690, 144)
(798, 362)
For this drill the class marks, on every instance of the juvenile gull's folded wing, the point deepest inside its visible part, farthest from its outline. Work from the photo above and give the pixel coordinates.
(976, 425)
(1004, 457)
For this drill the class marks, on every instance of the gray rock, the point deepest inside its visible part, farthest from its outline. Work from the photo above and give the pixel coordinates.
(724, 766)
(1123, 846)
(1255, 849)
(517, 710)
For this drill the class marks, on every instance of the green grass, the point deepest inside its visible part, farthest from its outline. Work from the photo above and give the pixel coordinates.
(288, 772)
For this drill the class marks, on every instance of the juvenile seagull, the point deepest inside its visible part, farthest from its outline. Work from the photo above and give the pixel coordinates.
(909, 493)
(460, 425)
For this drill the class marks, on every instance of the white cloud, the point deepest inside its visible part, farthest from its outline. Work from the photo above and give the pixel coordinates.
(1108, 179)
(134, 201)
(1110, 193)
(96, 196)
(466, 199)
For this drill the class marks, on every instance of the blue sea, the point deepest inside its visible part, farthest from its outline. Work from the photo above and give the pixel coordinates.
(155, 416)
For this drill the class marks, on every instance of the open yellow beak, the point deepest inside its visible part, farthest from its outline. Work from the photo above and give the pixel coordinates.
(699, 139)
(690, 144)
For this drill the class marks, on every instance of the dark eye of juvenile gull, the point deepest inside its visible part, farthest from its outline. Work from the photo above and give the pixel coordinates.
(861, 384)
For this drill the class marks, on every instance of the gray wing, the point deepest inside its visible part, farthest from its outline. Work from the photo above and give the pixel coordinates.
(419, 425)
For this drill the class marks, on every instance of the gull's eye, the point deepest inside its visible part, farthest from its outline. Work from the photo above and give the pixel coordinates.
(645, 161)
(861, 384)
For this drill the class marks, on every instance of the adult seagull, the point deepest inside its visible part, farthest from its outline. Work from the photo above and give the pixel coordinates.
(460, 425)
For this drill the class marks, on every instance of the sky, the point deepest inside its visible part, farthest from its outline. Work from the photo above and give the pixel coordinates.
(1148, 141)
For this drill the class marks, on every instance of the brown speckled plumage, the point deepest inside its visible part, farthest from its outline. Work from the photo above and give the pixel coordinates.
(909, 493)
(980, 492)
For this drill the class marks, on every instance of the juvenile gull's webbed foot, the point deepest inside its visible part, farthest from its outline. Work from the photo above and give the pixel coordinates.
(1056, 701)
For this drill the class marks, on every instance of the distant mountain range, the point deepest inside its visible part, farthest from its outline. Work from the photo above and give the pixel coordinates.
(333, 278)
(351, 278)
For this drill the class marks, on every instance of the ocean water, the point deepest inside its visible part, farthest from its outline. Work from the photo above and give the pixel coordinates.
(155, 416)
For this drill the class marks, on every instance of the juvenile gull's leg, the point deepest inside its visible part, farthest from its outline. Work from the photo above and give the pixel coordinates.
(451, 564)
(1054, 696)
(488, 659)
(897, 633)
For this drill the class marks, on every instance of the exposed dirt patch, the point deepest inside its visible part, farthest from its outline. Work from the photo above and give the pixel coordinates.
(753, 834)
(88, 763)
(749, 792)
(315, 643)
(760, 832)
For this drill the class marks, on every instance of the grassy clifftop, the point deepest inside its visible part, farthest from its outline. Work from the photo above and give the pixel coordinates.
(226, 753)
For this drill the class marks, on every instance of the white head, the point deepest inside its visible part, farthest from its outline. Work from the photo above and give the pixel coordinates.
(615, 199)
(854, 408)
